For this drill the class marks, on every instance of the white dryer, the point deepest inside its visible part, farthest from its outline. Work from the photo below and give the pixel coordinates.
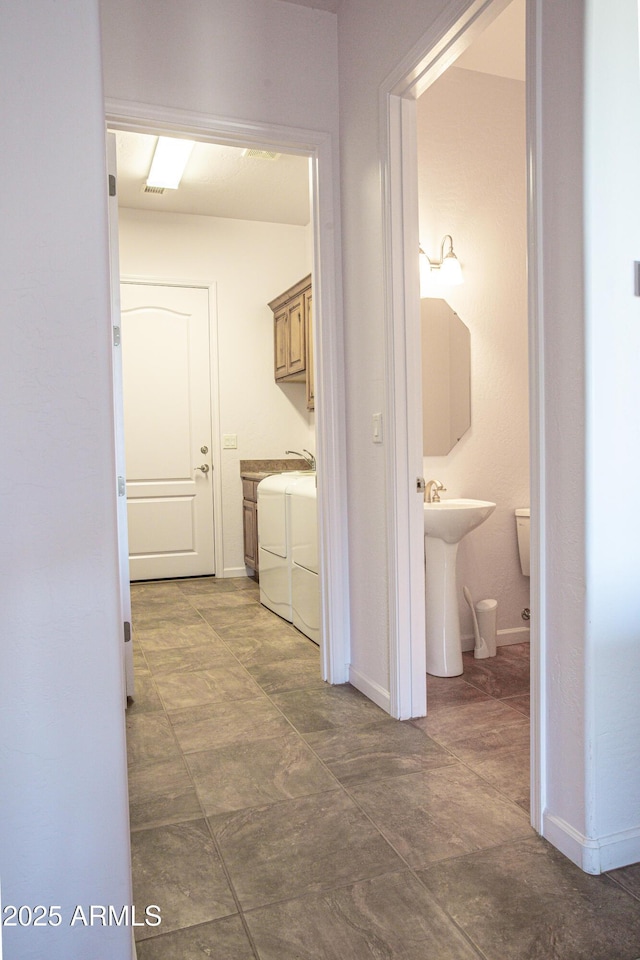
(273, 548)
(305, 583)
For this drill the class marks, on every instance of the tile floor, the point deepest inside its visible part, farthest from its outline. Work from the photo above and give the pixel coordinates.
(277, 818)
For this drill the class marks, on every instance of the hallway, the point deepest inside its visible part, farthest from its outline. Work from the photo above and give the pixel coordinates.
(278, 818)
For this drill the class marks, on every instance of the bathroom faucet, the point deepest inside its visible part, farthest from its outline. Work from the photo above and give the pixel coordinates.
(432, 491)
(305, 455)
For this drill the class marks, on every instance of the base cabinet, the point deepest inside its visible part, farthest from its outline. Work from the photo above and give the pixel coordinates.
(250, 523)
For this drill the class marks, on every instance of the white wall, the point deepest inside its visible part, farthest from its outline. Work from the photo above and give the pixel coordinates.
(64, 825)
(263, 60)
(472, 185)
(251, 263)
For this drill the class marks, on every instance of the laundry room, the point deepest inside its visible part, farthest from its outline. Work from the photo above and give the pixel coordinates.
(235, 235)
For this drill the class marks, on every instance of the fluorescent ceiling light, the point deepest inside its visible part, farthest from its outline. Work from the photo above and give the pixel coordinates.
(169, 161)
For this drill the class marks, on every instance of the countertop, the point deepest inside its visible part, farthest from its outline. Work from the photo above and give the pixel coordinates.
(259, 469)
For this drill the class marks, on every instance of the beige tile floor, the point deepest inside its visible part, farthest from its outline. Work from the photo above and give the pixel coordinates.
(277, 818)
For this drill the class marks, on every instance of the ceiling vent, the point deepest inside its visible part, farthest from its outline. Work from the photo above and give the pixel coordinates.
(260, 154)
(147, 189)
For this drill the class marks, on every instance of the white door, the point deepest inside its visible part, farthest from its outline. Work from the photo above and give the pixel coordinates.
(167, 417)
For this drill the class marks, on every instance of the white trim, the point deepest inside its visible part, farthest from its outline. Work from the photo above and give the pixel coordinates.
(230, 572)
(330, 415)
(329, 353)
(118, 425)
(370, 688)
(593, 856)
(141, 117)
(403, 405)
(504, 638)
(537, 441)
(510, 635)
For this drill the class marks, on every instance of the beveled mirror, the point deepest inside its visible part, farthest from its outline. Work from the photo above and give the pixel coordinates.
(446, 377)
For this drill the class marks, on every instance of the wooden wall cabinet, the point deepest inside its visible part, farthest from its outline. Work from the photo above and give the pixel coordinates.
(308, 318)
(250, 522)
(293, 336)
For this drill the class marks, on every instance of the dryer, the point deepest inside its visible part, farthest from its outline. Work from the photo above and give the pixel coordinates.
(273, 548)
(305, 582)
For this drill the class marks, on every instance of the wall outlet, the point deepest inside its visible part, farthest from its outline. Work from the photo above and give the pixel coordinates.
(229, 441)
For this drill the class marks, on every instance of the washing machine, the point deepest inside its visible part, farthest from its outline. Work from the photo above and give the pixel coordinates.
(305, 582)
(273, 548)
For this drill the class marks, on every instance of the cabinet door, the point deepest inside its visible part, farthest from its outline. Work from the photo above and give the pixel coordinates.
(296, 359)
(280, 345)
(250, 533)
(308, 309)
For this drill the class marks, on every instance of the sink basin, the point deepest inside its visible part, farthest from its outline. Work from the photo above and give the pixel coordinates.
(298, 473)
(451, 520)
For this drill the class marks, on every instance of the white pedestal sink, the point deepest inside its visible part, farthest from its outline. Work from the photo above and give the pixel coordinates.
(445, 524)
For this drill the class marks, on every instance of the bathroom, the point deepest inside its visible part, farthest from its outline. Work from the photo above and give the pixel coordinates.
(472, 186)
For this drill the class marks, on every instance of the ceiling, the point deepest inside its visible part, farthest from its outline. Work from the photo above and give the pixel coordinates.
(500, 49)
(221, 181)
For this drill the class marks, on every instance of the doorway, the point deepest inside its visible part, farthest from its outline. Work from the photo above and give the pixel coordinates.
(330, 445)
(438, 50)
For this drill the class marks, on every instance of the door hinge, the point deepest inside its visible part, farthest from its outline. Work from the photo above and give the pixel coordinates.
(122, 487)
(116, 336)
(420, 484)
(127, 631)
(112, 185)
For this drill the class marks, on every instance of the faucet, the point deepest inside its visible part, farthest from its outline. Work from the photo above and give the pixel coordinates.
(432, 491)
(305, 455)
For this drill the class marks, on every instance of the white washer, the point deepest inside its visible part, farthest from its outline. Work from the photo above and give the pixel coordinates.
(305, 584)
(274, 555)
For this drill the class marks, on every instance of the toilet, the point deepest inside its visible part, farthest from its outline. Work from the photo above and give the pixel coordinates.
(523, 526)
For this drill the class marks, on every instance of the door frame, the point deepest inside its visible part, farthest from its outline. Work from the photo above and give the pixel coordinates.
(328, 338)
(433, 53)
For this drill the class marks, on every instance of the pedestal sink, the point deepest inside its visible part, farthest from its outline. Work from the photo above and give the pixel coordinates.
(445, 524)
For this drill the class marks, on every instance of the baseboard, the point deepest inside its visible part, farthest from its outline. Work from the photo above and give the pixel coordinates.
(371, 689)
(513, 635)
(592, 856)
(229, 572)
(504, 638)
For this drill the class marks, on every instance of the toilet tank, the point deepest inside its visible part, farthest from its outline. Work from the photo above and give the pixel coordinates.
(523, 526)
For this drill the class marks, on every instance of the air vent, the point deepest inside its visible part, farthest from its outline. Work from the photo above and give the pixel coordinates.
(148, 189)
(260, 154)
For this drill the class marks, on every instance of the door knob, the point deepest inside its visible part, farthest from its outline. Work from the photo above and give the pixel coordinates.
(204, 468)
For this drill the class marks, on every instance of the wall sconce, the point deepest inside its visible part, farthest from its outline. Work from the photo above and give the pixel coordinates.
(448, 267)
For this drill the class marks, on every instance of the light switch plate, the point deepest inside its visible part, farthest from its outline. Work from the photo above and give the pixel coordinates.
(229, 441)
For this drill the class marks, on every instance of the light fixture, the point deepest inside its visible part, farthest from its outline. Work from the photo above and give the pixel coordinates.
(169, 160)
(448, 268)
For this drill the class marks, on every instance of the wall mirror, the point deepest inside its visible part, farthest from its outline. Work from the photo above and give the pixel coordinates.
(446, 377)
